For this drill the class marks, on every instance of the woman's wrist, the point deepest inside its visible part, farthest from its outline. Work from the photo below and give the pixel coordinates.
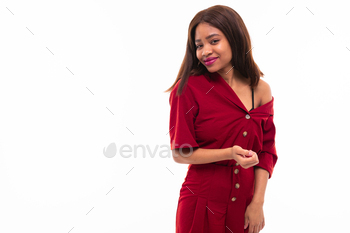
(258, 201)
(230, 153)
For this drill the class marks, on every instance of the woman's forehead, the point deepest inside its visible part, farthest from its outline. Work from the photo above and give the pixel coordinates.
(204, 30)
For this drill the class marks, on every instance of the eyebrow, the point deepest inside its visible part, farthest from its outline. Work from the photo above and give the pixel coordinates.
(208, 37)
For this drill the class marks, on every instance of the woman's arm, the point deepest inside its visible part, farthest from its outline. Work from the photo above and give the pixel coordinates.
(254, 216)
(198, 155)
(261, 177)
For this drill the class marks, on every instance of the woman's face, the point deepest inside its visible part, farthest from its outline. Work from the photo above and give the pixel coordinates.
(213, 49)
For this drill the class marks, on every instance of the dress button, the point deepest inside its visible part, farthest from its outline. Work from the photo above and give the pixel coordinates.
(233, 198)
(245, 133)
(237, 186)
(237, 164)
(236, 171)
(247, 116)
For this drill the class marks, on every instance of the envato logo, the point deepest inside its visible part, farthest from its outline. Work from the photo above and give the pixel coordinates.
(127, 151)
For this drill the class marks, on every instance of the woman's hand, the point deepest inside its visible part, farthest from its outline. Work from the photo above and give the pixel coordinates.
(246, 158)
(254, 217)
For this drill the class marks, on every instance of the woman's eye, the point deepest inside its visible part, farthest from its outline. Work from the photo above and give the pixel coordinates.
(198, 46)
(215, 41)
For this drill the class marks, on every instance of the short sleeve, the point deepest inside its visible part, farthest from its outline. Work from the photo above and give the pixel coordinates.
(183, 111)
(268, 156)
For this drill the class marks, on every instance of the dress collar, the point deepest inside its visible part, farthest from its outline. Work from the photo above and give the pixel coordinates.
(223, 88)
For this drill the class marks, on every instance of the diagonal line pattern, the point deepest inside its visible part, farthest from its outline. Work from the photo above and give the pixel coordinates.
(269, 31)
(290, 10)
(210, 210)
(192, 107)
(330, 31)
(310, 11)
(169, 170)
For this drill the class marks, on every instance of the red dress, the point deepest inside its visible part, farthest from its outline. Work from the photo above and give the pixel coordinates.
(214, 196)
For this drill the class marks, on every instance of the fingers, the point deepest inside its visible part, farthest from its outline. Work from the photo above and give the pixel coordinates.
(254, 228)
(254, 219)
(240, 151)
(246, 158)
(263, 224)
(246, 222)
(250, 153)
(251, 229)
(249, 161)
(243, 152)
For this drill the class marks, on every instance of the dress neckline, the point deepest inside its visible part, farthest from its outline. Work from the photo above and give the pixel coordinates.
(265, 107)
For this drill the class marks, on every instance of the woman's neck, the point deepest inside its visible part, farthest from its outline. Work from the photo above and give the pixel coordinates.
(233, 77)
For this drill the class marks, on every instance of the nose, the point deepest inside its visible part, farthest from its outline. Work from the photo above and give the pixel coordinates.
(206, 51)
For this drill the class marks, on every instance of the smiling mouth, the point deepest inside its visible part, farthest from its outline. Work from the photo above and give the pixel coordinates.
(210, 61)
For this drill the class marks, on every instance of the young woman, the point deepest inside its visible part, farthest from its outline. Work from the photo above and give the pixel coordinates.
(221, 124)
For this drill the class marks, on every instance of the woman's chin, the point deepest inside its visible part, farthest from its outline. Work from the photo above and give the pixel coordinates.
(211, 69)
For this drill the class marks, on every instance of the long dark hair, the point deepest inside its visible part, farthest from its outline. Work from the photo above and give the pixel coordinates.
(231, 24)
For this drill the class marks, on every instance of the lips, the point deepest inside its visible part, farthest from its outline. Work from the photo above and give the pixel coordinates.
(210, 60)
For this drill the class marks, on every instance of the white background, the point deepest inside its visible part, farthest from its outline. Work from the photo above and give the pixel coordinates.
(77, 76)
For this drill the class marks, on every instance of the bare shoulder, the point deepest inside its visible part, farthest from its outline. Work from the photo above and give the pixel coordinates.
(263, 92)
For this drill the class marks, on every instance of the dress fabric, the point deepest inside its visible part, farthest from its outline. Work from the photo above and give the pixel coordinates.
(214, 196)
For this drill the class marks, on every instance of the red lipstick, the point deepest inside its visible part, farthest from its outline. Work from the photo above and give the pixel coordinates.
(210, 60)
